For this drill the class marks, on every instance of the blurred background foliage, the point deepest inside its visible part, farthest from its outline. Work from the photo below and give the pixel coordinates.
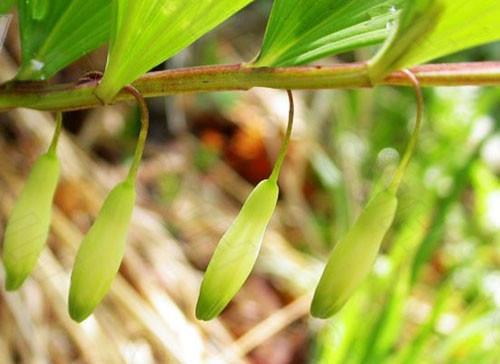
(433, 296)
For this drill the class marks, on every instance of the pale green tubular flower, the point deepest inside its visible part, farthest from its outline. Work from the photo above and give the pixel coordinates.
(28, 226)
(101, 251)
(353, 256)
(237, 251)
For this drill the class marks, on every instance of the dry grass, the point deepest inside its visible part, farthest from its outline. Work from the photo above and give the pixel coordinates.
(148, 315)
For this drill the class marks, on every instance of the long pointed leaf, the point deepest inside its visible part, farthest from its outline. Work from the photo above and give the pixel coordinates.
(147, 33)
(57, 32)
(434, 28)
(300, 31)
(462, 24)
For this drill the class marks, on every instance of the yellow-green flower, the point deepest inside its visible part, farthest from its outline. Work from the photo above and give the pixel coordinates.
(237, 251)
(352, 258)
(101, 252)
(28, 226)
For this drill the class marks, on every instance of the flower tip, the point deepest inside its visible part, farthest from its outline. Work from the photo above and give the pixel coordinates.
(14, 282)
(79, 313)
(319, 312)
(322, 310)
(206, 311)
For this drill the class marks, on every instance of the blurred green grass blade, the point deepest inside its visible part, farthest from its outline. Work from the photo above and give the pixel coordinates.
(414, 351)
(56, 33)
(330, 177)
(6, 5)
(485, 184)
(335, 341)
(386, 330)
(300, 31)
(437, 228)
(468, 337)
(147, 33)
(429, 29)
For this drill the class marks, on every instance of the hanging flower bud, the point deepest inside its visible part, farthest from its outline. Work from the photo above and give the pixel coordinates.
(28, 226)
(352, 258)
(237, 251)
(101, 252)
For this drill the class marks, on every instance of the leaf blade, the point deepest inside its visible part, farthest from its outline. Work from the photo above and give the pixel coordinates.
(299, 32)
(146, 33)
(56, 33)
(431, 29)
(453, 33)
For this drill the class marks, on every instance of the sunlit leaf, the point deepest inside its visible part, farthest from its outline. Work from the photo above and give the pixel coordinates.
(432, 240)
(146, 33)
(415, 22)
(303, 31)
(435, 28)
(56, 33)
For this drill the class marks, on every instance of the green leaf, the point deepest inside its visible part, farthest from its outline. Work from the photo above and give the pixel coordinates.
(415, 22)
(55, 33)
(463, 24)
(146, 33)
(300, 31)
(432, 29)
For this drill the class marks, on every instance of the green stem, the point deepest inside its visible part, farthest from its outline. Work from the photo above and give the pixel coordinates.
(73, 96)
(410, 149)
(143, 134)
(284, 146)
(57, 133)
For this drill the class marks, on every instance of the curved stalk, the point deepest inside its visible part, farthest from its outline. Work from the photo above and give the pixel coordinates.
(410, 149)
(284, 146)
(143, 134)
(57, 134)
